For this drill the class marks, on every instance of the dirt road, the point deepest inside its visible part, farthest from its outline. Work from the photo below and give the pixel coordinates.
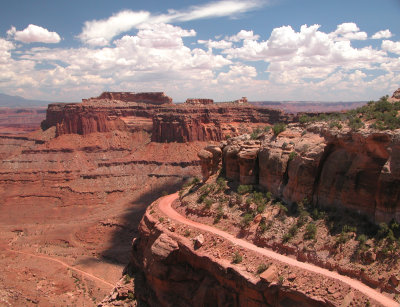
(165, 206)
(90, 276)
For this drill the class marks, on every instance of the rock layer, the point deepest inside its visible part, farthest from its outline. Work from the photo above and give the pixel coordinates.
(177, 274)
(355, 170)
(154, 112)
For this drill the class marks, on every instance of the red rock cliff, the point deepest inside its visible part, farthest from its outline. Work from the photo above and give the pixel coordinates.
(156, 98)
(355, 170)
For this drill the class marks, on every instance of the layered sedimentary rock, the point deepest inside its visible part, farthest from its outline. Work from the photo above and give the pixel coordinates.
(210, 158)
(210, 123)
(355, 170)
(167, 122)
(175, 273)
(156, 98)
(203, 101)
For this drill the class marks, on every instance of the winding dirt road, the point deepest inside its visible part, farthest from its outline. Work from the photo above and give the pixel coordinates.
(165, 206)
(90, 276)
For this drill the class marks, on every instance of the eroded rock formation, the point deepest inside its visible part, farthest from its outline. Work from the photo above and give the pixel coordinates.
(176, 273)
(396, 94)
(203, 101)
(355, 170)
(154, 112)
(156, 98)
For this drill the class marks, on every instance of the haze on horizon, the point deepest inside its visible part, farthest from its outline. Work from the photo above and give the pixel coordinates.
(263, 49)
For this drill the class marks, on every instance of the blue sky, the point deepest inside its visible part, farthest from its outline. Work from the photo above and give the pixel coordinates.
(263, 49)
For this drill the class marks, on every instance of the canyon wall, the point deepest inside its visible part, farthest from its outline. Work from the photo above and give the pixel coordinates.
(167, 122)
(211, 123)
(157, 98)
(177, 274)
(355, 170)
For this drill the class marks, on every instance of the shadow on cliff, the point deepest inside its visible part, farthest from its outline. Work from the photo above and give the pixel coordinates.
(119, 249)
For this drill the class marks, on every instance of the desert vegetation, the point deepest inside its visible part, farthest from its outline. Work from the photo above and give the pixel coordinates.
(324, 233)
(380, 115)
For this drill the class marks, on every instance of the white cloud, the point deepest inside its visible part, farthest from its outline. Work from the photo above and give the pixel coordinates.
(299, 64)
(222, 44)
(153, 59)
(34, 34)
(391, 46)
(237, 74)
(348, 31)
(242, 35)
(101, 32)
(382, 34)
(214, 9)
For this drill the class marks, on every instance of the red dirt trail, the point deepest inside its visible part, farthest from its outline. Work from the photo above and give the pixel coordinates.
(165, 206)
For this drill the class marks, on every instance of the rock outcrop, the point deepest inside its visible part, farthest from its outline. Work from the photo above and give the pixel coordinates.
(196, 120)
(212, 122)
(178, 272)
(202, 101)
(156, 98)
(396, 95)
(355, 170)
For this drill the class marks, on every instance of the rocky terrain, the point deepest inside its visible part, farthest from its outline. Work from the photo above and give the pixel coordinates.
(73, 194)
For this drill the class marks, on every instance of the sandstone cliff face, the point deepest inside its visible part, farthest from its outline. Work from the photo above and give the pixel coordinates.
(210, 123)
(168, 123)
(156, 98)
(356, 170)
(199, 101)
(176, 274)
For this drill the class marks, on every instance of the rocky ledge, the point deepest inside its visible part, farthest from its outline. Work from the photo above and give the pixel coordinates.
(174, 265)
(358, 170)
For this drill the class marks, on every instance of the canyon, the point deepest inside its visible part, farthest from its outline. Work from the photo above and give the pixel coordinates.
(74, 193)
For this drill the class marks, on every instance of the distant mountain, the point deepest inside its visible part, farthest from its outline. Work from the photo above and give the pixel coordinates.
(17, 101)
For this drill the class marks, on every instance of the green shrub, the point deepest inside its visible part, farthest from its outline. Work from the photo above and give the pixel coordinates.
(208, 203)
(221, 182)
(261, 268)
(304, 119)
(292, 155)
(131, 296)
(187, 233)
(311, 231)
(161, 219)
(278, 128)
(262, 226)
(220, 214)
(237, 258)
(247, 218)
(244, 189)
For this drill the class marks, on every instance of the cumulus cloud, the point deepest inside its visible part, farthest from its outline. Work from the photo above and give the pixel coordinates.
(101, 32)
(222, 44)
(156, 56)
(296, 63)
(391, 46)
(382, 34)
(237, 73)
(243, 34)
(348, 31)
(34, 34)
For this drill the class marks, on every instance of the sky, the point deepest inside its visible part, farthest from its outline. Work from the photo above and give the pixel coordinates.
(315, 50)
